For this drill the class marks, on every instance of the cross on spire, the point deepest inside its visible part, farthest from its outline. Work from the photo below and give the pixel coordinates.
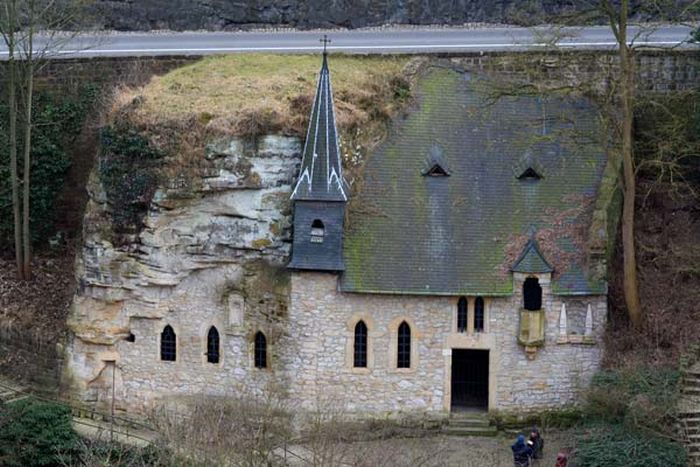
(325, 40)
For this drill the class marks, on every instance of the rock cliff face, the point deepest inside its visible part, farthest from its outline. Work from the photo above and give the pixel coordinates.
(213, 258)
(229, 14)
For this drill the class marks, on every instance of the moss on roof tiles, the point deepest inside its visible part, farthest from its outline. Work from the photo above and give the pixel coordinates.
(461, 234)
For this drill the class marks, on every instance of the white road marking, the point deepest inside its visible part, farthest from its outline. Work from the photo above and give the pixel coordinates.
(356, 47)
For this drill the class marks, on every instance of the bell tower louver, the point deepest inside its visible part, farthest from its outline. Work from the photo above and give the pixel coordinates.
(320, 193)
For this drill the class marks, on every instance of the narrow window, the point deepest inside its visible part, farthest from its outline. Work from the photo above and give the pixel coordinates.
(168, 344)
(213, 345)
(404, 346)
(462, 315)
(479, 314)
(317, 231)
(260, 350)
(360, 349)
(532, 294)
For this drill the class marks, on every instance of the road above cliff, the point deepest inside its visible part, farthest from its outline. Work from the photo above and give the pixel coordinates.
(377, 41)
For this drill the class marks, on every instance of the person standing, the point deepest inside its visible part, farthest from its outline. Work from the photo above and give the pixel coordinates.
(536, 442)
(521, 452)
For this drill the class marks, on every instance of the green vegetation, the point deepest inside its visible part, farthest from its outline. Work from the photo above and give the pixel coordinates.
(35, 433)
(604, 446)
(128, 172)
(58, 121)
(629, 416)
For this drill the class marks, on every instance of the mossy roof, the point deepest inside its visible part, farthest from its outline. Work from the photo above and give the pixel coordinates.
(531, 260)
(461, 234)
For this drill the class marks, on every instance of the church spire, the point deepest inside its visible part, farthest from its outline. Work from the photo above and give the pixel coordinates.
(321, 172)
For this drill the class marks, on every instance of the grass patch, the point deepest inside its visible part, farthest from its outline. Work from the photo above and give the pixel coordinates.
(254, 93)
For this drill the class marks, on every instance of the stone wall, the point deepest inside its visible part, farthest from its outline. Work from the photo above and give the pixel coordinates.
(657, 70)
(31, 358)
(318, 350)
(229, 14)
(211, 259)
(107, 72)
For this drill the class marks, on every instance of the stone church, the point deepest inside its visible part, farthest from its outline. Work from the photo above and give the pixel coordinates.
(465, 270)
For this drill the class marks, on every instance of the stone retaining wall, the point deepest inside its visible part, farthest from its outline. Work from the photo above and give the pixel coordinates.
(28, 357)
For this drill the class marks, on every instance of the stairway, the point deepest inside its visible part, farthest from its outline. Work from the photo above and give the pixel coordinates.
(689, 413)
(469, 424)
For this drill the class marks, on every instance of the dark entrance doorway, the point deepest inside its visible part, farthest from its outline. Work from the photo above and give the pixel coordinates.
(470, 378)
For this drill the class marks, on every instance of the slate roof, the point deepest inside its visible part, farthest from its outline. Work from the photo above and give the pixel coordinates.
(531, 260)
(321, 172)
(408, 233)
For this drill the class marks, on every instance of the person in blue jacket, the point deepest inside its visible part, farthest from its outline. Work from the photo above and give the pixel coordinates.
(521, 452)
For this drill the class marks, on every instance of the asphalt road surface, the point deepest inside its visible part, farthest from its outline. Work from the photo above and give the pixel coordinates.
(377, 41)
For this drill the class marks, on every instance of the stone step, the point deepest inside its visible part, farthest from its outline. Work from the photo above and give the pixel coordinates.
(470, 431)
(474, 422)
(690, 391)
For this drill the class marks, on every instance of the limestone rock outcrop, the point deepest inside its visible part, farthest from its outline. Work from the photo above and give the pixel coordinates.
(232, 234)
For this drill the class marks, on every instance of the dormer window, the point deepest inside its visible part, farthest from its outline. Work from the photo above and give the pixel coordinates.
(529, 174)
(436, 171)
(317, 231)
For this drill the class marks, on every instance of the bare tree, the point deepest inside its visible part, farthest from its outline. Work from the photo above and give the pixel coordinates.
(618, 17)
(21, 22)
(8, 26)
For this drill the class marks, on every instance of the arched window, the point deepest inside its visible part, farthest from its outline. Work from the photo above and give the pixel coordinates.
(462, 315)
(168, 344)
(403, 355)
(318, 230)
(213, 345)
(260, 350)
(532, 294)
(360, 349)
(479, 314)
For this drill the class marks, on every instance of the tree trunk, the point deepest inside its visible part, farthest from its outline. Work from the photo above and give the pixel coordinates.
(26, 234)
(630, 282)
(11, 13)
(29, 97)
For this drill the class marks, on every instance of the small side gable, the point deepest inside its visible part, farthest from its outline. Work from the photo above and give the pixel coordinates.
(531, 260)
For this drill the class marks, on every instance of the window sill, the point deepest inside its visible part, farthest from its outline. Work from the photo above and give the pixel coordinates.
(403, 370)
(576, 339)
(360, 371)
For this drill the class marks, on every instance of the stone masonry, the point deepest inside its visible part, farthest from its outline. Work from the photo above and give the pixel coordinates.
(318, 351)
(213, 259)
(218, 258)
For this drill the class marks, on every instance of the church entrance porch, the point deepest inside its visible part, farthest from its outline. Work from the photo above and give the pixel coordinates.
(470, 379)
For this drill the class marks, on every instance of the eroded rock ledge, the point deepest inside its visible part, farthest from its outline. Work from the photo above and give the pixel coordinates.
(225, 241)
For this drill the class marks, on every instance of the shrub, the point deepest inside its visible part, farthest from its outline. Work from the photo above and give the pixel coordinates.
(604, 446)
(34, 433)
(105, 453)
(128, 171)
(629, 416)
(57, 122)
(638, 397)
